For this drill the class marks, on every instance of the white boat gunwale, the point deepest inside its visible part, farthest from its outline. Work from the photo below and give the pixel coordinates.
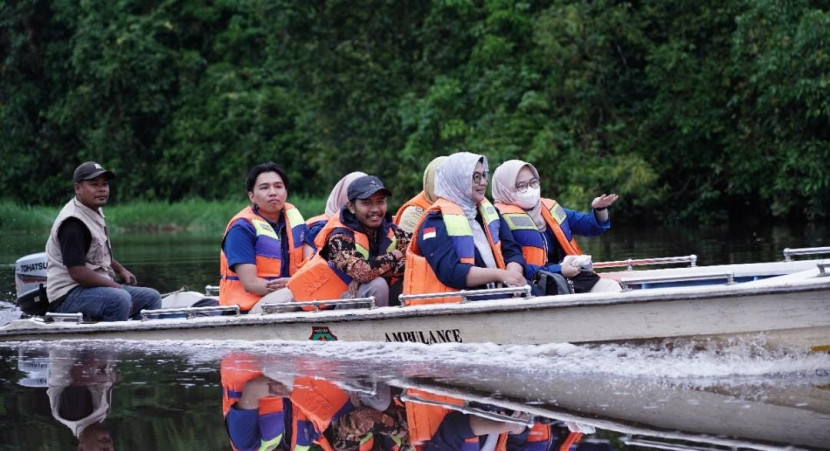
(462, 313)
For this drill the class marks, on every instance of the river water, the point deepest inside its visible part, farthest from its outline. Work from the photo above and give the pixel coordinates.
(169, 396)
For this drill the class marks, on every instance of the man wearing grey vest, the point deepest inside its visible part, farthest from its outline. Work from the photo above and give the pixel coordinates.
(81, 273)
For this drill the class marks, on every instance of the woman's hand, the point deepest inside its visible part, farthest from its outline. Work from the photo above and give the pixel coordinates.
(604, 201)
(512, 278)
(569, 269)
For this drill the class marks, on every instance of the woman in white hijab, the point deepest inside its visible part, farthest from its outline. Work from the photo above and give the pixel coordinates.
(462, 242)
(545, 229)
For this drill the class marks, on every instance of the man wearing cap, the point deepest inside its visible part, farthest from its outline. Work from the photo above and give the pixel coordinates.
(365, 247)
(81, 271)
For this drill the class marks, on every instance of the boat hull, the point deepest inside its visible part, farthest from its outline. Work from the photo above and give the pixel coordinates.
(793, 313)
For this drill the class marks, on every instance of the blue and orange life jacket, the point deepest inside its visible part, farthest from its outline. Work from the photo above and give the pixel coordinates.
(320, 279)
(527, 234)
(419, 277)
(268, 248)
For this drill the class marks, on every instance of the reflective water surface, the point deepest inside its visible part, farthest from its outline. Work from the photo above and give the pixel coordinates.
(133, 395)
(128, 395)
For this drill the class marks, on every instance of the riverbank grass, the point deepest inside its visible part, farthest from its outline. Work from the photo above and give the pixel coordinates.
(191, 215)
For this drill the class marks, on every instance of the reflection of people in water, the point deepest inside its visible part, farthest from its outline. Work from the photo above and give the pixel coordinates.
(254, 406)
(377, 423)
(271, 410)
(80, 392)
(436, 427)
(264, 410)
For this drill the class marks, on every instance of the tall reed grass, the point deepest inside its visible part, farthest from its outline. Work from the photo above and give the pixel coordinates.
(191, 215)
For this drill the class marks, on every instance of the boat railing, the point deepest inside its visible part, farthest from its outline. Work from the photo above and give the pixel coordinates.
(191, 312)
(52, 317)
(212, 290)
(790, 253)
(465, 295)
(630, 263)
(367, 302)
(526, 420)
(627, 282)
(657, 443)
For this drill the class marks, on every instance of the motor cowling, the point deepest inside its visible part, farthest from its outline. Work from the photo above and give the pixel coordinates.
(30, 273)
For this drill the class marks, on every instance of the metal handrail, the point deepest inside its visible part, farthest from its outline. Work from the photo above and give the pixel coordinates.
(368, 302)
(465, 294)
(789, 253)
(627, 282)
(632, 262)
(495, 416)
(77, 318)
(212, 290)
(659, 444)
(190, 312)
(822, 269)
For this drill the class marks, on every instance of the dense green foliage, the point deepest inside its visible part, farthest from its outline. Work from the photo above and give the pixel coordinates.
(692, 111)
(190, 214)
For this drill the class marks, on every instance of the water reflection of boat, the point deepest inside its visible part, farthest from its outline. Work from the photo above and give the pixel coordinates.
(787, 302)
(686, 398)
(666, 413)
(264, 404)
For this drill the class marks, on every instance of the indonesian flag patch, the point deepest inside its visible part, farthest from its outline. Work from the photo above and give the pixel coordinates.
(428, 233)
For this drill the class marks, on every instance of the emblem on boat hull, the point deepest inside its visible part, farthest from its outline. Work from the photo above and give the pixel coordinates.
(321, 333)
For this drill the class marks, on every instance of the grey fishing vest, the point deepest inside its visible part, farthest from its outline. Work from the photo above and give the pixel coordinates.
(98, 258)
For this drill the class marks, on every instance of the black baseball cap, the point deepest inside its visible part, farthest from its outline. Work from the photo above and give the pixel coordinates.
(90, 170)
(364, 187)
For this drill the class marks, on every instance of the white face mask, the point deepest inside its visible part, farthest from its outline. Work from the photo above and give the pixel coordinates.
(529, 198)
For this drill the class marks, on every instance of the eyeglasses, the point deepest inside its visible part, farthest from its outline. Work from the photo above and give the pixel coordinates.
(479, 176)
(523, 186)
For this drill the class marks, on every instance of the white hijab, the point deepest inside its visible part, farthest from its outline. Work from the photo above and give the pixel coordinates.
(454, 182)
(505, 192)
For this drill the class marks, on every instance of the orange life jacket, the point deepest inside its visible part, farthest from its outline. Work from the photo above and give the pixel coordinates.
(420, 200)
(554, 216)
(320, 279)
(268, 263)
(419, 277)
(317, 403)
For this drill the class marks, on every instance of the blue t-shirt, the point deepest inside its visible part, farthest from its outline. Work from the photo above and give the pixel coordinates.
(240, 242)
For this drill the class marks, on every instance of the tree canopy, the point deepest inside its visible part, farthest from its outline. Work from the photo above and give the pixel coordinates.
(696, 111)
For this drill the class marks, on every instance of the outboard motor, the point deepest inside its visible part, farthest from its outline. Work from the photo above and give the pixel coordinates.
(29, 271)
(30, 283)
